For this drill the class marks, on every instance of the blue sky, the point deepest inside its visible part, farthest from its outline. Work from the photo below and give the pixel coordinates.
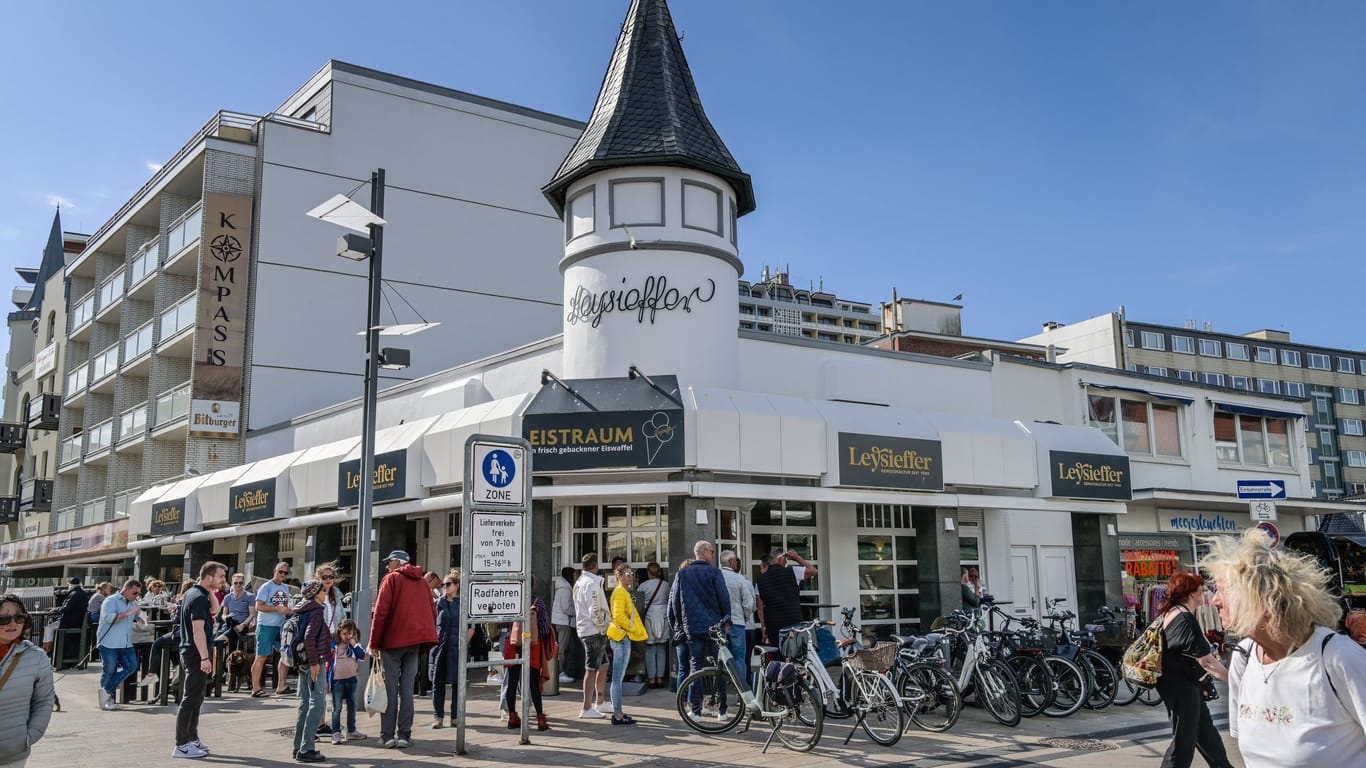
(1049, 160)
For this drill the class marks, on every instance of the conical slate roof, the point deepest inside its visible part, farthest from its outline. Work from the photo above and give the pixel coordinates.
(54, 260)
(648, 112)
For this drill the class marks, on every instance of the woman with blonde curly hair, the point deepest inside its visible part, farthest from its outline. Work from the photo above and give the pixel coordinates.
(1297, 690)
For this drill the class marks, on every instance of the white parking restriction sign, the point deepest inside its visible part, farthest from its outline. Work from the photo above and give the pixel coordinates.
(497, 542)
(498, 479)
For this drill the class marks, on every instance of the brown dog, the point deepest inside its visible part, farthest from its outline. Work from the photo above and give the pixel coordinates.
(239, 669)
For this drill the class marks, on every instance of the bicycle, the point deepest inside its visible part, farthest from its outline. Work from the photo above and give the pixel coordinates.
(1102, 681)
(864, 688)
(1110, 620)
(929, 695)
(991, 680)
(793, 711)
(1023, 653)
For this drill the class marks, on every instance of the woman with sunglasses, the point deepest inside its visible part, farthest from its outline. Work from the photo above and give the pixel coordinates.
(26, 694)
(443, 665)
(334, 612)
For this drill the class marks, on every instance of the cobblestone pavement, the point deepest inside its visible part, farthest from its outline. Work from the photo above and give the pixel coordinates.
(255, 732)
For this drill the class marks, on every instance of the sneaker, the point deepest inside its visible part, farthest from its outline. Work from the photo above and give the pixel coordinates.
(324, 729)
(592, 713)
(188, 750)
(494, 679)
(565, 678)
(696, 717)
(388, 743)
(503, 715)
(336, 738)
(311, 756)
(356, 736)
(201, 746)
(403, 743)
(149, 679)
(109, 703)
(721, 717)
(604, 706)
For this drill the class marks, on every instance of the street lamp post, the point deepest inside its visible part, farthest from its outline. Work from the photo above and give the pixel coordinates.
(361, 600)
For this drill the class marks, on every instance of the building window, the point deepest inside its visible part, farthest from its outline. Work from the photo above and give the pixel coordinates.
(579, 219)
(1266, 355)
(1211, 348)
(889, 587)
(1129, 338)
(1349, 396)
(701, 207)
(1290, 357)
(1153, 340)
(636, 202)
(1356, 489)
(1186, 375)
(1294, 388)
(1346, 365)
(1268, 386)
(1183, 344)
(1235, 351)
(1217, 379)
(637, 532)
(1350, 427)
(1252, 440)
(785, 525)
(1319, 362)
(1157, 371)
(1354, 458)
(1240, 382)
(1141, 427)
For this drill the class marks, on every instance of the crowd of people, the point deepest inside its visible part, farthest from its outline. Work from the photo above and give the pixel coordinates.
(1296, 697)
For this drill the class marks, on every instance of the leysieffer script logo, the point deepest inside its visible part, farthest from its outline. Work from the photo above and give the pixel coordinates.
(655, 296)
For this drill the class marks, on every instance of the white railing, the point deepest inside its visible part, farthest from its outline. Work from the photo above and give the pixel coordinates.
(83, 312)
(184, 231)
(111, 290)
(106, 363)
(178, 317)
(173, 405)
(144, 263)
(65, 519)
(133, 422)
(101, 436)
(76, 380)
(69, 450)
(91, 512)
(125, 500)
(138, 342)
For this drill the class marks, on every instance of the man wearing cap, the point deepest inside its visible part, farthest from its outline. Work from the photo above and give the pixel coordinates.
(404, 621)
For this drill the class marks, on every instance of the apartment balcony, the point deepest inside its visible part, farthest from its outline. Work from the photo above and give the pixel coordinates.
(35, 496)
(100, 441)
(9, 510)
(82, 317)
(45, 411)
(141, 286)
(182, 240)
(13, 436)
(103, 368)
(132, 429)
(137, 351)
(124, 501)
(109, 299)
(76, 383)
(171, 412)
(69, 453)
(177, 328)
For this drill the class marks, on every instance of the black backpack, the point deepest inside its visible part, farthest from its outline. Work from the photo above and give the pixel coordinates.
(293, 649)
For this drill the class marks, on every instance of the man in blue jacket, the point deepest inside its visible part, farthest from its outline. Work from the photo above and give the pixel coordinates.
(700, 601)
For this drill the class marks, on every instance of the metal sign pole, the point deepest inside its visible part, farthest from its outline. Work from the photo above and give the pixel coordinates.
(495, 548)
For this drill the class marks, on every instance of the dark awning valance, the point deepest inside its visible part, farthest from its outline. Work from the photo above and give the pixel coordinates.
(1144, 392)
(1248, 410)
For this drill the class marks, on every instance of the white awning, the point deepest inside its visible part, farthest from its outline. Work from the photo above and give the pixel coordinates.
(313, 476)
(399, 447)
(1067, 449)
(752, 432)
(267, 476)
(214, 493)
(140, 510)
(180, 494)
(443, 446)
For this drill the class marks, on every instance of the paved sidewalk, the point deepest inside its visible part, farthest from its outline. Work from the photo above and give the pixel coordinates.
(253, 732)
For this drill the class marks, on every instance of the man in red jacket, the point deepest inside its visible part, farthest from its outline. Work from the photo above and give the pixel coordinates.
(404, 621)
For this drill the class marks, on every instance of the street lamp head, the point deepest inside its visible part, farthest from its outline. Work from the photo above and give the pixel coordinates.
(355, 247)
(394, 359)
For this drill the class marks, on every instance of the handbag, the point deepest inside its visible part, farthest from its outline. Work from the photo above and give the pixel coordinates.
(376, 695)
(1142, 663)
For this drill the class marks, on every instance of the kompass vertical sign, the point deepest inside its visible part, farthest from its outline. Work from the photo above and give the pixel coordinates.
(221, 316)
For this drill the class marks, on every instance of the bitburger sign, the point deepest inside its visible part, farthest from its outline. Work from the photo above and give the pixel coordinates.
(880, 461)
(1090, 475)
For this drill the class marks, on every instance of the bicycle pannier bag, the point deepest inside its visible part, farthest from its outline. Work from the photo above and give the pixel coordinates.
(1142, 664)
(792, 645)
(781, 678)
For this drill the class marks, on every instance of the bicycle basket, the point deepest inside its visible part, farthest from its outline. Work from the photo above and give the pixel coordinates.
(879, 658)
(1034, 640)
(781, 678)
(792, 644)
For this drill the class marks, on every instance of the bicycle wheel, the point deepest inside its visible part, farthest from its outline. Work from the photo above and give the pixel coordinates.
(837, 706)
(1103, 678)
(803, 723)
(997, 691)
(1149, 696)
(1036, 686)
(883, 719)
(721, 707)
(930, 697)
(1069, 686)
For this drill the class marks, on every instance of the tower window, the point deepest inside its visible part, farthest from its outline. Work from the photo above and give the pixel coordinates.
(578, 215)
(701, 207)
(636, 202)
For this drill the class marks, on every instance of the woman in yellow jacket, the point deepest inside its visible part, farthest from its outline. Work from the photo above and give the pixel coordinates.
(626, 626)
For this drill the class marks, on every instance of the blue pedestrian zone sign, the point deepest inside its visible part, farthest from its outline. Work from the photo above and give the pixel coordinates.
(1261, 489)
(499, 469)
(497, 474)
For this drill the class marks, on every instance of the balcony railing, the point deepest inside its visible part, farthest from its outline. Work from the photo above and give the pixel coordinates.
(133, 422)
(13, 435)
(65, 519)
(69, 450)
(101, 436)
(173, 405)
(44, 411)
(76, 380)
(91, 512)
(143, 264)
(35, 495)
(111, 290)
(124, 500)
(178, 317)
(83, 312)
(138, 342)
(106, 363)
(184, 231)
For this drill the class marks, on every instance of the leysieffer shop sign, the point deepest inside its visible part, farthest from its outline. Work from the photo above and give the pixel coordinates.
(1090, 475)
(880, 461)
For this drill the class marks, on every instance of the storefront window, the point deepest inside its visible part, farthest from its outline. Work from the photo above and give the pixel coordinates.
(785, 525)
(636, 532)
(889, 588)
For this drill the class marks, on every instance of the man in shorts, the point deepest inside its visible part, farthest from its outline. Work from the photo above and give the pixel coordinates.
(591, 615)
(272, 609)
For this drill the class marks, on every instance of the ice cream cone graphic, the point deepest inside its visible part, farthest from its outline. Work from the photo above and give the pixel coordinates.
(657, 431)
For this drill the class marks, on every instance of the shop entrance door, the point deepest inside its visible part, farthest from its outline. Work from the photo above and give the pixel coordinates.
(1056, 578)
(1024, 582)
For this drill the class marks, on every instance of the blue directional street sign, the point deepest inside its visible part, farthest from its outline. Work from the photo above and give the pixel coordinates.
(1261, 489)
